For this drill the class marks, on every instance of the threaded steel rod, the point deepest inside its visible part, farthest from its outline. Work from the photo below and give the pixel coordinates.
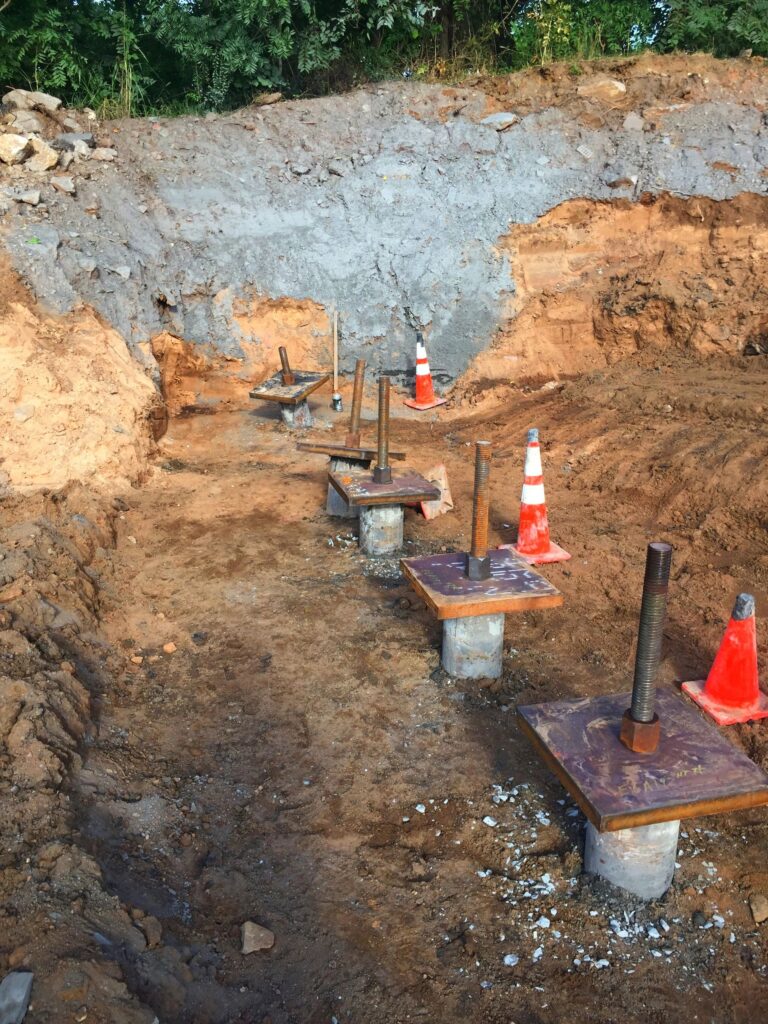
(382, 474)
(480, 500)
(288, 377)
(353, 437)
(652, 615)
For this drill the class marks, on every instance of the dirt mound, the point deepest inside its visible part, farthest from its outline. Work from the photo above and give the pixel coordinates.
(74, 404)
(652, 84)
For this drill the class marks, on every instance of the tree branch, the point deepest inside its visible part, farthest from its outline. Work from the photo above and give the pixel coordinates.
(4, 4)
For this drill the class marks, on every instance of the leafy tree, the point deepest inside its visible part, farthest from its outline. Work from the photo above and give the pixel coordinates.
(722, 27)
(133, 56)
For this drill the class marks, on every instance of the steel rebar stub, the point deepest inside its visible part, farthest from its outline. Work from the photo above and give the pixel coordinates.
(513, 586)
(273, 389)
(343, 451)
(694, 770)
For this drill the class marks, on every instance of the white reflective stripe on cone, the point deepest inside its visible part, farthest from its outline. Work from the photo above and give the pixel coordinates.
(422, 369)
(533, 494)
(533, 461)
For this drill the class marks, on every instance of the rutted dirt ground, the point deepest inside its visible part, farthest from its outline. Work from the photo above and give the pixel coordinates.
(300, 759)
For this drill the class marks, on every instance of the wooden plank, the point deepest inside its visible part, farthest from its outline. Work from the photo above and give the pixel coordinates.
(358, 488)
(695, 771)
(441, 581)
(341, 451)
(273, 389)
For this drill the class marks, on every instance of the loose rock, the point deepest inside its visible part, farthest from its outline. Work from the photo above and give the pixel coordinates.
(605, 89)
(64, 184)
(27, 122)
(758, 904)
(31, 197)
(501, 121)
(15, 992)
(153, 931)
(256, 938)
(44, 157)
(23, 99)
(103, 153)
(14, 149)
(68, 139)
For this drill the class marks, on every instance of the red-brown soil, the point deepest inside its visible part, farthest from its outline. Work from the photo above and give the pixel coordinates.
(275, 765)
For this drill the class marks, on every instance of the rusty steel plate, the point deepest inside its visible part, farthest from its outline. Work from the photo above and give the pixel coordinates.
(694, 771)
(273, 390)
(513, 586)
(341, 451)
(358, 488)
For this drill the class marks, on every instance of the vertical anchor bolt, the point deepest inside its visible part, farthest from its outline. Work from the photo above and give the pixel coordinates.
(353, 437)
(288, 376)
(478, 565)
(640, 726)
(382, 472)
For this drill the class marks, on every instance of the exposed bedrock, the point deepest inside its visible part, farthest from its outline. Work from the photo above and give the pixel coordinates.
(394, 204)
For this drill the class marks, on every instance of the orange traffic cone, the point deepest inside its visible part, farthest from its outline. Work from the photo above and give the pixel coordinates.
(731, 692)
(425, 393)
(533, 543)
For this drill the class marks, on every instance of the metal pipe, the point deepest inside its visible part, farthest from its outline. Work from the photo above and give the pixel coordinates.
(478, 561)
(353, 437)
(288, 377)
(382, 473)
(652, 615)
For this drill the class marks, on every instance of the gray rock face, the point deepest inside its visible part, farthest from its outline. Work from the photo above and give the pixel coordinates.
(400, 234)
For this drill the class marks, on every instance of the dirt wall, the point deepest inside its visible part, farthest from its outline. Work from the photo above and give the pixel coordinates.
(74, 404)
(599, 281)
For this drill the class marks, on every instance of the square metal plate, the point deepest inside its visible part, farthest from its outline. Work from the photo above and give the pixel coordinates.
(513, 586)
(273, 389)
(695, 770)
(358, 488)
(341, 451)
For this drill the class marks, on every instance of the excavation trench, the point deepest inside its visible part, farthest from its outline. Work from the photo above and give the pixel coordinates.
(300, 759)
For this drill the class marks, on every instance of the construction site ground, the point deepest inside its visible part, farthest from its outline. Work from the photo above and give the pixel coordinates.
(297, 757)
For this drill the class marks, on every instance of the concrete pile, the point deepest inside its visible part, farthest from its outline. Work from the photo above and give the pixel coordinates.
(38, 136)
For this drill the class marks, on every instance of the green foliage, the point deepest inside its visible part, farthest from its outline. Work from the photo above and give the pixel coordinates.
(722, 27)
(126, 57)
(585, 29)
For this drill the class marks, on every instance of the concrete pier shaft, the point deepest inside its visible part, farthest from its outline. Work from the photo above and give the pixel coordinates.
(473, 648)
(640, 860)
(381, 529)
(297, 417)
